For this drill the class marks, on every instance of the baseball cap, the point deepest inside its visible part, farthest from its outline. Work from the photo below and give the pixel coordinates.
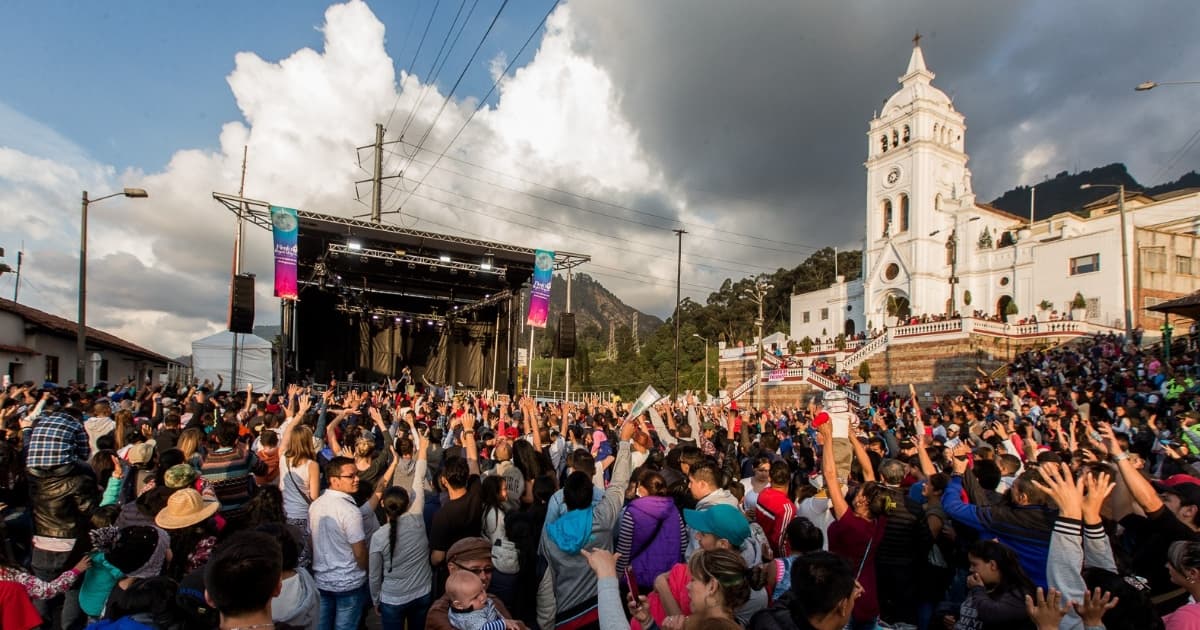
(1188, 492)
(722, 521)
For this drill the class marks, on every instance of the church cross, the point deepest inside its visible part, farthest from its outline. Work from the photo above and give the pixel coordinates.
(917, 39)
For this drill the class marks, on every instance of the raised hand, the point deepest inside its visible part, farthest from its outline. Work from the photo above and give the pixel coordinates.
(1095, 604)
(1046, 610)
(1060, 485)
(1096, 490)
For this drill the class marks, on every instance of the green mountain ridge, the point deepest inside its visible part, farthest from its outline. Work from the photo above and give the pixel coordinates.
(1061, 193)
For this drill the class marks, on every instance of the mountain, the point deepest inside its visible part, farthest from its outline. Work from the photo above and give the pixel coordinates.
(595, 307)
(1062, 193)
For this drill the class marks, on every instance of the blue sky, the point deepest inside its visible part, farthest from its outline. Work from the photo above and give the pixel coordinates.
(133, 82)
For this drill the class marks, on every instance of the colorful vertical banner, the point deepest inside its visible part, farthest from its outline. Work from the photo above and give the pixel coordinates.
(285, 228)
(539, 297)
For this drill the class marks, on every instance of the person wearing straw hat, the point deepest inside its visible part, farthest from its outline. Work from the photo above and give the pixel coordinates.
(188, 518)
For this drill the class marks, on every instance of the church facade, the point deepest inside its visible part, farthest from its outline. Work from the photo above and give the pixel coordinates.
(931, 249)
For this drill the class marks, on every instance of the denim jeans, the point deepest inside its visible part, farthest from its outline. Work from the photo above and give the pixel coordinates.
(60, 612)
(393, 617)
(341, 611)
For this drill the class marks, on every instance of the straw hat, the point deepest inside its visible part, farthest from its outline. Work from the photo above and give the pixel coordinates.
(185, 508)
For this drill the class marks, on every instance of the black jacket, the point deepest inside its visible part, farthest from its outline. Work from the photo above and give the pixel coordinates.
(63, 498)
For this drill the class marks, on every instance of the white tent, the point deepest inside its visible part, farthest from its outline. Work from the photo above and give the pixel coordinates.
(213, 356)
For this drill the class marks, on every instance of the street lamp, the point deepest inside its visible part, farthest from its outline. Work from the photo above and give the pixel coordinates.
(1124, 254)
(705, 340)
(81, 332)
(1145, 86)
(758, 294)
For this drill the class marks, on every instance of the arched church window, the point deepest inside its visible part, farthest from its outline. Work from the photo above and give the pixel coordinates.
(903, 213)
(883, 145)
(936, 128)
(907, 134)
(887, 216)
(895, 139)
(937, 202)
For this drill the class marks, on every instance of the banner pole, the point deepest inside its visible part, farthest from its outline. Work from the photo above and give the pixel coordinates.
(529, 381)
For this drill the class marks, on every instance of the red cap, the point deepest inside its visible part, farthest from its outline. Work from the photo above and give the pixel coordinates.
(512, 433)
(274, 409)
(1175, 480)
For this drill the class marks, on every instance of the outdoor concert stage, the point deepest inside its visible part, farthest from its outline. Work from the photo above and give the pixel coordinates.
(374, 298)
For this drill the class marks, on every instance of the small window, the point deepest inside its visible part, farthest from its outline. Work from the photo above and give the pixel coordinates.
(824, 313)
(1085, 264)
(103, 370)
(887, 216)
(1183, 265)
(1154, 260)
(51, 369)
(891, 272)
(807, 317)
(903, 213)
(883, 145)
(895, 139)
(1093, 308)
(907, 134)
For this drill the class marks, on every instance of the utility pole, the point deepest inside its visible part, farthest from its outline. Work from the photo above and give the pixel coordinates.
(377, 176)
(637, 349)
(377, 179)
(237, 266)
(678, 294)
(17, 283)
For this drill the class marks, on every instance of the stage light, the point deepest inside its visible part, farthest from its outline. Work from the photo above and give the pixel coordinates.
(362, 259)
(431, 322)
(412, 265)
(355, 245)
(397, 320)
(471, 273)
(486, 296)
(488, 261)
(444, 258)
(408, 320)
(388, 263)
(453, 271)
(374, 317)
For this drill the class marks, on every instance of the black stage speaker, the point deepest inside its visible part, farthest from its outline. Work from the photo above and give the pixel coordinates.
(565, 343)
(241, 304)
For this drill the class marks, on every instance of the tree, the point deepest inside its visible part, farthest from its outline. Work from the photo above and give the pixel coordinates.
(864, 372)
(806, 344)
(840, 342)
(791, 346)
(1078, 302)
(1045, 305)
(1011, 309)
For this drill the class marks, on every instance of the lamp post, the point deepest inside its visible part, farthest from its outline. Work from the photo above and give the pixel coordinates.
(705, 340)
(81, 331)
(758, 294)
(1124, 254)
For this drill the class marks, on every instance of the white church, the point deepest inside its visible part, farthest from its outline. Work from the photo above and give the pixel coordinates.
(931, 249)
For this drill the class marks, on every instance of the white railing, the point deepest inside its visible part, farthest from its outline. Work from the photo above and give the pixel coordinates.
(868, 350)
(928, 328)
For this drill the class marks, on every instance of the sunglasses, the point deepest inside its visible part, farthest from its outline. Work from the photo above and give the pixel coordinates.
(480, 571)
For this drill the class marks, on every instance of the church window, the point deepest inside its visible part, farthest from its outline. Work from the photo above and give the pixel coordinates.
(824, 313)
(883, 145)
(907, 134)
(951, 251)
(895, 139)
(891, 271)
(937, 201)
(807, 317)
(903, 213)
(887, 216)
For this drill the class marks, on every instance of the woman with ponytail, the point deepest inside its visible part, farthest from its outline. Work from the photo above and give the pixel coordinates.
(400, 576)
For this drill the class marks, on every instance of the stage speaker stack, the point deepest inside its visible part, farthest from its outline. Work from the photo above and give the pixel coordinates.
(565, 343)
(241, 305)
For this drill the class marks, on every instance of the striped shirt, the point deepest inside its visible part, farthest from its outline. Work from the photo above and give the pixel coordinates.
(56, 439)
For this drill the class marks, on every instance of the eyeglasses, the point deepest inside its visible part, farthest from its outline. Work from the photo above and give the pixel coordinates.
(343, 476)
(480, 571)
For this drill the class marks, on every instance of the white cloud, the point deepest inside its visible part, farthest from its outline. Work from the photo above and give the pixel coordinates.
(159, 268)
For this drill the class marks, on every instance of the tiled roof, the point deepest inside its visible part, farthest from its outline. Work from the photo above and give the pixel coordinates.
(65, 327)
(17, 349)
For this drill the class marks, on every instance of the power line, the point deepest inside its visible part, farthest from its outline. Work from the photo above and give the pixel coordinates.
(599, 201)
(458, 81)
(623, 241)
(483, 100)
(413, 61)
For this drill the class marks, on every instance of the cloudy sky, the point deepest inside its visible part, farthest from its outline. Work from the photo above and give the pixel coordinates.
(743, 122)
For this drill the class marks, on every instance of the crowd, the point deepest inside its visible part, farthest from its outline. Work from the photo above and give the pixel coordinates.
(1063, 495)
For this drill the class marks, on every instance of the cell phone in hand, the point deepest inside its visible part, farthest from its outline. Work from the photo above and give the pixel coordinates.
(631, 582)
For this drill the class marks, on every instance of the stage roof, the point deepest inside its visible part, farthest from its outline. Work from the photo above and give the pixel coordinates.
(392, 270)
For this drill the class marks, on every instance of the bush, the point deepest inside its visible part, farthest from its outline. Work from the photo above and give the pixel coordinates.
(864, 372)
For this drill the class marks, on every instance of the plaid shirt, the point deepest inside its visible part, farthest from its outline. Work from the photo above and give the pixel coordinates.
(56, 439)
